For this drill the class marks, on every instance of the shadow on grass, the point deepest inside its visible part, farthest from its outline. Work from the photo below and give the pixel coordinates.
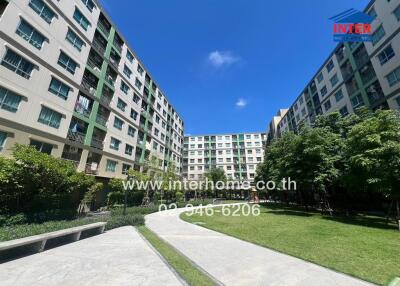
(360, 220)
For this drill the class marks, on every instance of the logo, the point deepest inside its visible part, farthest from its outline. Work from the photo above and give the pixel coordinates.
(352, 26)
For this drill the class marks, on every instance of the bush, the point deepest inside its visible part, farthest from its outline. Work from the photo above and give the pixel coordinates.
(134, 210)
(179, 196)
(121, 220)
(13, 220)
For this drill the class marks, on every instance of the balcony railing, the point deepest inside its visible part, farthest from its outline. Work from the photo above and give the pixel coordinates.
(76, 136)
(105, 100)
(92, 169)
(101, 119)
(97, 143)
(94, 65)
(88, 86)
(362, 60)
(99, 46)
(118, 46)
(82, 110)
(103, 29)
(73, 157)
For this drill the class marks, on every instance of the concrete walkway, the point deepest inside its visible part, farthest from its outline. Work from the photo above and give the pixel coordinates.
(117, 257)
(235, 262)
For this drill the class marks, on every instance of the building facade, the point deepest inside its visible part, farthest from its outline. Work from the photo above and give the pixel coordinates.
(237, 154)
(354, 74)
(71, 86)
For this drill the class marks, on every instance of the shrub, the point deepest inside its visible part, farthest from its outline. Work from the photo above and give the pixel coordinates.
(121, 220)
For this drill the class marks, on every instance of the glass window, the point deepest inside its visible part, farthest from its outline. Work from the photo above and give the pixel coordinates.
(329, 66)
(128, 149)
(327, 105)
(67, 63)
(73, 38)
(343, 111)
(131, 131)
(396, 12)
(81, 20)
(17, 64)
(130, 56)
(127, 71)
(50, 117)
(29, 34)
(138, 84)
(42, 10)
(3, 137)
(114, 143)
(393, 77)
(42, 147)
(136, 98)
(111, 166)
(372, 13)
(320, 77)
(334, 80)
(386, 55)
(357, 101)
(121, 104)
(9, 100)
(118, 123)
(140, 69)
(124, 87)
(338, 95)
(58, 88)
(324, 91)
(89, 4)
(377, 35)
(398, 101)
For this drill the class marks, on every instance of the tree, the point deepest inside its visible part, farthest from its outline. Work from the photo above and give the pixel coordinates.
(215, 175)
(373, 155)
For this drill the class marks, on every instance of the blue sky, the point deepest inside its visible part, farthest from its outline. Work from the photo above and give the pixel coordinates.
(228, 66)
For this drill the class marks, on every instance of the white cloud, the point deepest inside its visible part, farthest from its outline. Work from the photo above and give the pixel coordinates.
(222, 58)
(241, 103)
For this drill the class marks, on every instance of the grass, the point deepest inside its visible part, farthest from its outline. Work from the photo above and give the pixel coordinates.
(362, 246)
(184, 267)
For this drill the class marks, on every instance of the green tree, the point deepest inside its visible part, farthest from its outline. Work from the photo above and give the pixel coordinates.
(215, 175)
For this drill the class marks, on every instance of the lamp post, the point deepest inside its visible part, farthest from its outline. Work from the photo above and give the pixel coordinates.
(130, 178)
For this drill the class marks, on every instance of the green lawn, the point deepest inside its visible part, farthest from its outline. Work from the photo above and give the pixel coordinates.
(361, 246)
(190, 273)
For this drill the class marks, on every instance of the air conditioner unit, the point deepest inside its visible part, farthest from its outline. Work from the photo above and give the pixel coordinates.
(92, 90)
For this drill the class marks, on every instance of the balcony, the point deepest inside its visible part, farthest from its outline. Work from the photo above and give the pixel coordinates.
(77, 130)
(101, 119)
(89, 82)
(114, 59)
(83, 105)
(103, 25)
(99, 43)
(374, 92)
(72, 154)
(340, 53)
(352, 86)
(361, 56)
(347, 70)
(106, 96)
(118, 43)
(98, 139)
(367, 74)
(95, 61)
(147, 80)
(111, 76)
(92, 163)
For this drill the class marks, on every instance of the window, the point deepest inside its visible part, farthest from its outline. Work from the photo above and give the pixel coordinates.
(118, 123)
(3, 137)
(58, 88)
(398, 101)
(327, 105)
(89, 4)
(303, 112)
(329, 66)
(41, 146)
(324, 91)
(124, 87)
(377, 35)
(334, 80)
(338, 95)
(157, 119)
(296, 107)
(140, 69)
(50, 117)
(138, 84)
(131, 131)
(121, 104)
(320, 78)
(17, 64)
(127, 71)
(114, 143)
(155, 146)
(156, 131)
(357, 101)
(126, 168)
(134, 114)
(128, 149)
(111, 166)
(393, 77)
(67, 63)
(130, 56)
(396, 12)
(343, 111)
(42, 10)
(75, 41)
(386, 55)
(29, 34)
(81, 20)
(9, 100)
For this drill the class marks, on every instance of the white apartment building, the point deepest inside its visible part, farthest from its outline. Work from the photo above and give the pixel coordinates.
(72, 86)
(354, 74)
(237, 154)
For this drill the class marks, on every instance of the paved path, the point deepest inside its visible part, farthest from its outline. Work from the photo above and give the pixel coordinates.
(117, 257)
(235, 262)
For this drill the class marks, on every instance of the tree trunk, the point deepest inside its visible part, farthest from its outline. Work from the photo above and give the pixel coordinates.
(389, 210)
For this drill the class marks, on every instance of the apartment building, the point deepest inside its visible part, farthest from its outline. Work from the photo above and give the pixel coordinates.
(354, 74)
(237, 154)
(72, 86)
